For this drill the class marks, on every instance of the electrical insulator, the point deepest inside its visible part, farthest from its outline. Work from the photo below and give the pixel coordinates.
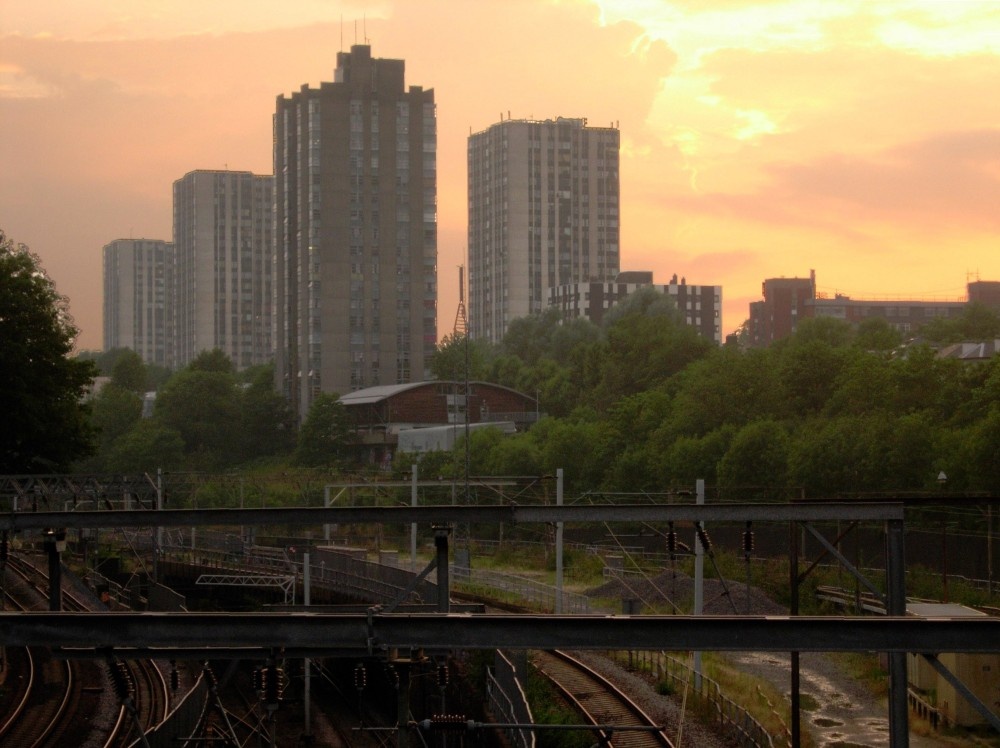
(119, 679)
(706, 542)
(442, 676)
(271, 684)
(175, 680)
(393, 676)
(210, 677)
(747, 541)
(671, 541)
(449, 722)
(3, 549)
(257, 679)
(360, 677)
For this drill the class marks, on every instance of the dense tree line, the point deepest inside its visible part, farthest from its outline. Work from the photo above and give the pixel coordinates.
(643, 404)
(640, 403)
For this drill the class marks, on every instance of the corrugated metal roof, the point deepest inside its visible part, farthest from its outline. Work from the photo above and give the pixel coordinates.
(375, 394)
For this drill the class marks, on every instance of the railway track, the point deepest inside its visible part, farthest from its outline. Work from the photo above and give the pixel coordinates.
(46, 693)
(57, 702)
(600, 702)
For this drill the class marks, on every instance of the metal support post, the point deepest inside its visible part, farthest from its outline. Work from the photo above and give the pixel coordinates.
(413, 525)
(158, 536)
(55, 543)
(307, 663)
(699, 578)
(895, 565)
(559, 543)
(793, 609)
(441, 545)
(403, 705)
(326, 505)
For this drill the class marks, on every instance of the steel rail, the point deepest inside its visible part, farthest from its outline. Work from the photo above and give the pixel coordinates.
(597, 690)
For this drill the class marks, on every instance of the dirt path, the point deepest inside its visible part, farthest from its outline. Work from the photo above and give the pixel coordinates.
(845, 714)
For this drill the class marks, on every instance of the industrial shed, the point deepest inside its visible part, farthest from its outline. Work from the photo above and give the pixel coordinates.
(378, 414)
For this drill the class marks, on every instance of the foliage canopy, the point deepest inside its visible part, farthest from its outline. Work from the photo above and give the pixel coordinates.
(42, 387)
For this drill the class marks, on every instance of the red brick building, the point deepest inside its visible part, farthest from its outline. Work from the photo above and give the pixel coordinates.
(784, 304)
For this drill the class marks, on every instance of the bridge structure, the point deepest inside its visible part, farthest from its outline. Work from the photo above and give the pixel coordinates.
(380, 629)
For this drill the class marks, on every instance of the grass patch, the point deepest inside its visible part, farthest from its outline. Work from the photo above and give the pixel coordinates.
(548, 708)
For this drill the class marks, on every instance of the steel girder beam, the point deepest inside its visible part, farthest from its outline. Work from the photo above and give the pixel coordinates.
(974, 701)
(328, 633)
(444, 514)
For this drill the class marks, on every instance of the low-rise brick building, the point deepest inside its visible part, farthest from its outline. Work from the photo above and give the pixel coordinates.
(378, 414)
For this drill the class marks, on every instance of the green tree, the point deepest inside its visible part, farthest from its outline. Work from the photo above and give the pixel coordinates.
(689, 458)
(325, 434)
(529, 337)
(267, 423)
(877, 335)
(42, 388)
(756, 464)
(203, 406)
(977, 322)
(729, 386)
(448, 361)
(115, 411)
(809, 370)
(517, 454)
(645, 346)
(831, 456)
(212, 360)
(129, 372)
(148, 446)
(580, 447)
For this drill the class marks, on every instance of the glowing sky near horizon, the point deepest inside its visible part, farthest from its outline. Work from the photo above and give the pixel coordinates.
(759, 139)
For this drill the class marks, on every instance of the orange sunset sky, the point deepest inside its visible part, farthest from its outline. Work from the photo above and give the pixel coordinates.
(860, 138)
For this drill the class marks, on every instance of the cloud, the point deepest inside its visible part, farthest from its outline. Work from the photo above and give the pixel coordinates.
(16, 84)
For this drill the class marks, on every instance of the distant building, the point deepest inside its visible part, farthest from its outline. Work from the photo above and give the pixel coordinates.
(223, 232)
(784, 304)
(138, 280)
(986, 293)
(380, 414)
(789, 300)
(543, 212)
(700, 306)
(356, 219)
(907, 316)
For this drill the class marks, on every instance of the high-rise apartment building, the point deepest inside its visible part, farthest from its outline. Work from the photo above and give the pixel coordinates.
(543, 212)
(223, 233)
(355, 211)
(137, 283)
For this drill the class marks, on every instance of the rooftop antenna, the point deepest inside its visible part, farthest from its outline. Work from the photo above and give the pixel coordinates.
(341, 32)
(355, 30)
(461, 321)
(364, 26)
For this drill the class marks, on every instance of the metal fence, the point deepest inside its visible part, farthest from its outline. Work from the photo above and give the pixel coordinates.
(734, 719)
(508, 701)
(519, 590)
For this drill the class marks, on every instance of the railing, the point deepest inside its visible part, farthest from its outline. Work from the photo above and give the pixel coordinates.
(112, 594)
(514, 589)
(508, 701)
(734, 719)
(923, 709)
